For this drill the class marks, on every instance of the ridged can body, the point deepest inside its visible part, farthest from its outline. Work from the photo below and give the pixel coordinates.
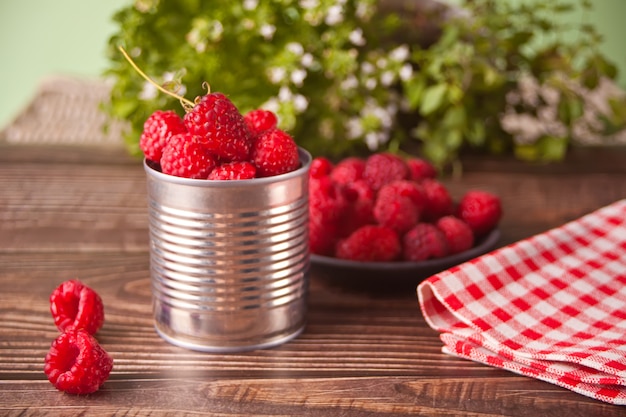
(229, 260)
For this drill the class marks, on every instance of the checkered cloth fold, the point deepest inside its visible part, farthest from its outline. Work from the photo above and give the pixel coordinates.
(552, 306)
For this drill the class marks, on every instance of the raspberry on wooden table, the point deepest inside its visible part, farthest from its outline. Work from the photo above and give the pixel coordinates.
(157, 131)
(75, 305)
(184, 156)
(76, 363)
(220, 127)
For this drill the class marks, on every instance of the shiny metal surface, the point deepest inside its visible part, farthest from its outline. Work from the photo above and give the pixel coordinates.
(229, 259)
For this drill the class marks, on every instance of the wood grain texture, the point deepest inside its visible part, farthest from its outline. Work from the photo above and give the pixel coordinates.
(75, 213)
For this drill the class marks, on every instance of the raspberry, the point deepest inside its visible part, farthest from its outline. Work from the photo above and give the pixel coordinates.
(348, 170)
(420, 169)
(424, 241)
(458, 234)
(360, 207)
(382, 168)
(76, 363)
(184, 156)
(320, 167)
(327, 203)
(370, 243)
(274, 153)
(220, 126)
(259, 121)
(75, 305)
(322, 237)
(405, 188)
(481, 210)
(438, 200)
(396, 212)
(233, 171)
(157, 130)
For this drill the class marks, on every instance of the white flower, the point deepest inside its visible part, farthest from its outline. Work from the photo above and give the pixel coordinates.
(374, 139)
(300, 103)
(267, 31)
(387, 78)
(148, 92)
(250, 4)
(334, 15)
(298, 76)
(285, 94)
(367, 68)
(349, 83)
(276, 75)
(307, 60)
(371, 83)
(406, 72)
(356, 37)
(309, 4)
(295, 48)
(271, 104)
(400, 54)
(354, 128)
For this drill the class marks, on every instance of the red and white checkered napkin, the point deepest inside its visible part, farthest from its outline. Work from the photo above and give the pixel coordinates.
(552, 307)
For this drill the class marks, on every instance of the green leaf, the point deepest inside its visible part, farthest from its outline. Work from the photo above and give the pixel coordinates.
(432, 98)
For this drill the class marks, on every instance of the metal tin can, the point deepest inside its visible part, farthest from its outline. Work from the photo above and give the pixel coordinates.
(229, 260)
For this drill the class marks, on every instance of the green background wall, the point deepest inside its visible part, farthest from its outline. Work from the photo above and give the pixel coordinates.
(68, 37)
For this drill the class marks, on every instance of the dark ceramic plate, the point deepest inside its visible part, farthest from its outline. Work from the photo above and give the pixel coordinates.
(340, 269)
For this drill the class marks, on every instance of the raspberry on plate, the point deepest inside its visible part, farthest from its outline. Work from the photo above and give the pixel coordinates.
(348, 170)
(370, 243)
(424, 241)
(481, 210)
(184, 156)
(275, 152)
(220, 126)
(459, 235)
(259, 121)
(438, 200)
(396, 212)
(322, 237)
(420, 169)
(242, 170)
(405, 188)
(157, 131)
(360, 207)
(76, 363)
(320, 167)
(382, 168)
(75, 305)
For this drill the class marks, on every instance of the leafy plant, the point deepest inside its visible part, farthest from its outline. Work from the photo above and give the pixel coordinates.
(345, 77)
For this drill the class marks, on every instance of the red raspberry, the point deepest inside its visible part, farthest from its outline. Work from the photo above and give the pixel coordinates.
(439, 202)
(348, 170)
(481, 210)
(76, 363)
(157, 131)
(360, 207)
(221, 128)
(424, 241)
(405, 188)
(370, 243)
(320, 167)
(75, 305)
(274, 153)
(327, 203)
(184, 156)
(383, 168)
(233, 171)
(396, 212)
(259, 121)
(458, 234)
(420, 169)
(322, 237)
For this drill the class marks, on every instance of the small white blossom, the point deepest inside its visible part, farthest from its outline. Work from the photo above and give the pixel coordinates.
(400, 54)
(387, 78)
(307, 60)
(277, 75)
(267, 31)
(272, 104)
(356, 37)
(300, 103)
(298, 76)
(285, 94)
(349, 83)
(367, 68)
(295, 48)
(406, 72)
(148, 91)
(250, 4)
(371, 83)
(354, 128)
(334, 15)
(309, 4)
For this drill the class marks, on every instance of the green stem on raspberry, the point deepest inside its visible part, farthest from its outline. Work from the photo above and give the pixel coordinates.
(187, 104)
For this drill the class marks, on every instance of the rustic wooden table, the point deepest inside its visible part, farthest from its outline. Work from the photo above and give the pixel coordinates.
(80, 212)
